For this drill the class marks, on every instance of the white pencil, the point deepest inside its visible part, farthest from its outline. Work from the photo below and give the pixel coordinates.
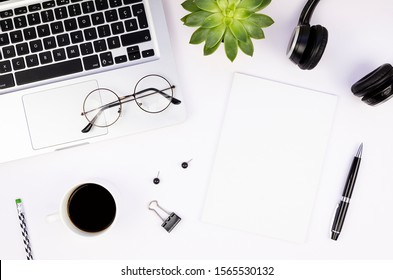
(22, 221)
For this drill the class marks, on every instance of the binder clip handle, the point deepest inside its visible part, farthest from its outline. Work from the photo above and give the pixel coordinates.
(152, 208)
(170, 222)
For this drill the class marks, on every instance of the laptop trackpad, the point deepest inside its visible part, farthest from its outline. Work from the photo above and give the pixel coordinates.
(54, 116)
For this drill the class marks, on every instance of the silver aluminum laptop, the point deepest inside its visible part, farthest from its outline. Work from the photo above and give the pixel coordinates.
(54, 53)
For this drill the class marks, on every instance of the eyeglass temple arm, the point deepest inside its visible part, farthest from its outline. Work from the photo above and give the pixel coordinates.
(174, 101)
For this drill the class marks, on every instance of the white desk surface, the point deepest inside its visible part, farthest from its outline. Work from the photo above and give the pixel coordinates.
(359, 41)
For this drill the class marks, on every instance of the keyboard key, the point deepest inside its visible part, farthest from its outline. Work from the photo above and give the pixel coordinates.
(90, 34)
(91, 62)
(49, 43)
(7, 13)
(100, 46)
(139, 11)
(62, 2)
(125, 12)
(20, 10)
(76, 37)
(148, 53)
(57, 27)
(63, 40)
(20, 22)
(72, 51)
(59, 54)
(86, 48)
(70, 24)
(84, 21)
(48, 71)
(111, 15)
(120, 59)
(5, 66)
(36, 46)
(16, 36)
(113, 43)
(106, 59)
(18, 63)
(22, 48)
(9, 52)
(126, 2)
(6, 25)
(33, 19)
(43, 30)
(133, 53)
(48, 4)
(61, 13)
(97, 18)
(103, 31)
(101, 5)
(6, 81)
(74, 10)
(47, 16)
(135, 38)
(29, 33)
(117, 28)
(34, 7)
(114, 3)
(88, 7)
(4, 39)
(32, 60)
(45, 57)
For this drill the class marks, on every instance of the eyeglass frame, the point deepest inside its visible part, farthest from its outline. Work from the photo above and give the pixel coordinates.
(122, 99)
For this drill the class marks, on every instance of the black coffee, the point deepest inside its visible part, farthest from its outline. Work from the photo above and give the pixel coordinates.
(91, 208)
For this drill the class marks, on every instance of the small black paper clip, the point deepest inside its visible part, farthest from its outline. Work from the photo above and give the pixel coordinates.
(168, 223)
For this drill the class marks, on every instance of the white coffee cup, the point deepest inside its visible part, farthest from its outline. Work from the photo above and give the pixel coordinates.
(88, 209)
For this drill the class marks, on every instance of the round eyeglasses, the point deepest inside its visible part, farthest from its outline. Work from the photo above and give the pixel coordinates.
(102, 107)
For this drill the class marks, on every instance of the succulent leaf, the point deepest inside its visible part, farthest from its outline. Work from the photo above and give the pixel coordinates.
(209, 51)
(263, 5)
(199, 36)
(230, 44)
(238, 30)
(261, 20)
(196, 18)
(215, 35)
(250, 4)
(213, 20)
(190, 6)
(242, 13)
(247, 47)
(208, 5)
(222, 4)
(253, 30)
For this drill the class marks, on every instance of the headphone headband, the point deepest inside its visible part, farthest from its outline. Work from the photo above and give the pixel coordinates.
(307, 12)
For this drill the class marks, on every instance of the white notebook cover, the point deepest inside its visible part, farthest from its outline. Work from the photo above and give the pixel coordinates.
(269, 158)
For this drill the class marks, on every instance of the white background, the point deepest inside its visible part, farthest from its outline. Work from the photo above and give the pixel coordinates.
(359, 41)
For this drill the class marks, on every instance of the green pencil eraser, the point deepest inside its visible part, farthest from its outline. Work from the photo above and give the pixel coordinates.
(18, 200)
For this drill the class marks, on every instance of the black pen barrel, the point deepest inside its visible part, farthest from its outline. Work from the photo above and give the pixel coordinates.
(339, 219)
(351, 179)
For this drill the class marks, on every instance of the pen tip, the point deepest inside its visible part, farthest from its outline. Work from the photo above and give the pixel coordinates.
(360, 151)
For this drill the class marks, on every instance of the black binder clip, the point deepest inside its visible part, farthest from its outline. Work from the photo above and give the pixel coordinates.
(168, 223)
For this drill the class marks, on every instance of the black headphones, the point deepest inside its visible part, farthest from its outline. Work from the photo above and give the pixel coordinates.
(307, 43)
(306, 48)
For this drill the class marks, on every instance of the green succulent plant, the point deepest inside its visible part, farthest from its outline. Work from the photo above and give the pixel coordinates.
(231, 22)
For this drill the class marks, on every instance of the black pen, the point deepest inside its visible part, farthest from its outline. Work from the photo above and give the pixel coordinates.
(342, 207)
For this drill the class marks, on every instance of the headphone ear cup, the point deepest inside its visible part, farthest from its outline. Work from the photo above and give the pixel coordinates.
(298, 43)
(372, 80)
(375, 87)
(315, 47)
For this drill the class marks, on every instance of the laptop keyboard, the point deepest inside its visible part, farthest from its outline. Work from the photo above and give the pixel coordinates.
(58, 38)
